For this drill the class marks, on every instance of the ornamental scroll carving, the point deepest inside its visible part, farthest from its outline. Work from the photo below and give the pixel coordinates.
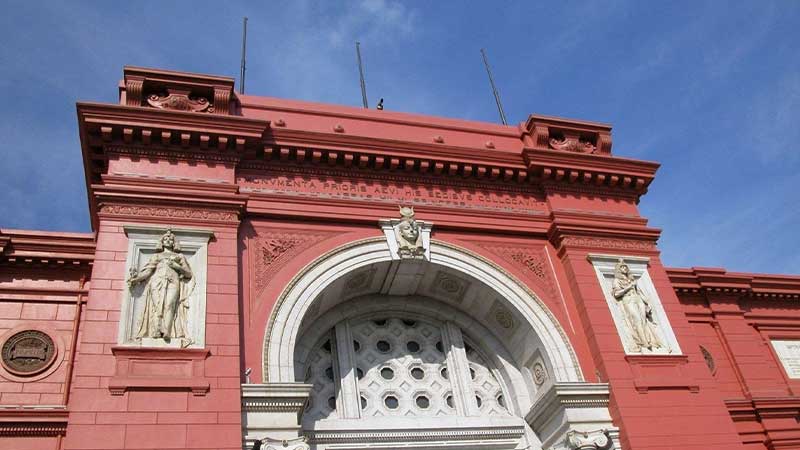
(589, 440)
(169, 212)
(572, 144)
(180, 100)
(300, 443)
(614, 244)
(273, 248)
(533, 260)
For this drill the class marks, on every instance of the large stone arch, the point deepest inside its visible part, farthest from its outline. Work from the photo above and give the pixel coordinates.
(297, 298)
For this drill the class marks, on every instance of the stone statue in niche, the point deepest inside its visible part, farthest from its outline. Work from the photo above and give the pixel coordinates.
(169, 285)
(636, 309)
(408, 234)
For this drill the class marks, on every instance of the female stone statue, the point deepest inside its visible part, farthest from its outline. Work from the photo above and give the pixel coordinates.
(166, 293)
(635, 309)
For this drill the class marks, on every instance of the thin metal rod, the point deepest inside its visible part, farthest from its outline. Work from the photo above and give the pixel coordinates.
(494, 89)
(361, 74)
(244, 55)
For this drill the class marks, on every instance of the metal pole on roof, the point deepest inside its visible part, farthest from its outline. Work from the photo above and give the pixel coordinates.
(244, 54)
(361, 74)
(494, 88)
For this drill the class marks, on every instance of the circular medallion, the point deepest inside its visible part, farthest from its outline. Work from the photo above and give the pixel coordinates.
(539, 374)
(28, 352)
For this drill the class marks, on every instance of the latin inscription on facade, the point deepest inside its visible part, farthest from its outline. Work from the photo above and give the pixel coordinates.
(789, 354)
(395, 193)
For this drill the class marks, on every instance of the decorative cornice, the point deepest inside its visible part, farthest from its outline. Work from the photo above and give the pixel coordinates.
(46, 248)
(33, 421)
(453, 435)
(600, 171)
(567, 395)
(718, 281)
(275, 397)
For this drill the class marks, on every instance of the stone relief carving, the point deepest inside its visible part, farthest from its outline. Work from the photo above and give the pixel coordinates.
(168, 287)
(572, 144)
(164, 305)
(532, 259)
(276, 247)
(500, 314)
(408, 234)
(449, 286)
(28, 352)
(180, 100)
(635, 306)
(539, 374)
(300, 443)
(589, 440)
(407, 237)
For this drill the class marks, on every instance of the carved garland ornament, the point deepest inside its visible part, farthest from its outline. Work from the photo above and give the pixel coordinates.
(589, 440)
(572, 145)
(169, 212)
(616, 244)
(180, 100)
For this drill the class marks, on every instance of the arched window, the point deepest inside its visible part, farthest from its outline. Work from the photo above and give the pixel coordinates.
(384, 365)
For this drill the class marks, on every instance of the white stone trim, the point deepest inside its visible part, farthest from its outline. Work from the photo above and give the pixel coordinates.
(571, 407)
(282, 332)
(194, 246)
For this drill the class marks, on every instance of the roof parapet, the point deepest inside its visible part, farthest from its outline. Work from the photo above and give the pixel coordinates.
(179, 91)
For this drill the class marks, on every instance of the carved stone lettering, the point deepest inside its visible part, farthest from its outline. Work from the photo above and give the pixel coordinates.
(28, 352)
(472, 198)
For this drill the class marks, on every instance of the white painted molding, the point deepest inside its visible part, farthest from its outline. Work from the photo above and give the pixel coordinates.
(571, 407)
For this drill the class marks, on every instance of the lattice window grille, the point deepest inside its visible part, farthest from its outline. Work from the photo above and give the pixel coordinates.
(489, 395)
(400, 368)
(321, 373)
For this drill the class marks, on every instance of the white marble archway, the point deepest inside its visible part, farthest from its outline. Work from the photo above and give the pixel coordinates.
(285, 322)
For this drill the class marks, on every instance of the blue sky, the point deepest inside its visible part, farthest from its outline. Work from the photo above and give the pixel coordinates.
(711, 90)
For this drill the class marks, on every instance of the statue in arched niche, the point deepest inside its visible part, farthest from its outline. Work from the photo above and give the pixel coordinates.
(166, 294)
(636, 309)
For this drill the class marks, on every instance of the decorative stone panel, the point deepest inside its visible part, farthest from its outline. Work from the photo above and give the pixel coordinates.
(635, 306)
(141, 303)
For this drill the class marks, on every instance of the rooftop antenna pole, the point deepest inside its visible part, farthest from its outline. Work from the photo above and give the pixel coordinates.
(244, 54)
(494, 88)
(361, 74)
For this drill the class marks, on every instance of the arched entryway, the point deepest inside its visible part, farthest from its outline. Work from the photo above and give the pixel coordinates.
(416, 353)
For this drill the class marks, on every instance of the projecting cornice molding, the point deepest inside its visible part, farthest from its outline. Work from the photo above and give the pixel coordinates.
(717, 281)
(42, 248)
(568, 135)
(589, 170)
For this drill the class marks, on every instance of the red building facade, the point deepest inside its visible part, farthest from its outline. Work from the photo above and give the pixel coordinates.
(285, 274)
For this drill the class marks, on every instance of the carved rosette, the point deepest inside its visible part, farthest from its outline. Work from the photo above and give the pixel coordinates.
(180, 100)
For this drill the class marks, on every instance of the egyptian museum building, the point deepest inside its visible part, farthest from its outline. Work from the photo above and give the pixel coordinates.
(276, 274)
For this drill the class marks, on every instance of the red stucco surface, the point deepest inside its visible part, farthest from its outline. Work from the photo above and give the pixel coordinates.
(282, 182)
